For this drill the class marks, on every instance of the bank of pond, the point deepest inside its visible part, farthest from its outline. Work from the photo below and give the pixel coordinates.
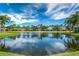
(39, 43)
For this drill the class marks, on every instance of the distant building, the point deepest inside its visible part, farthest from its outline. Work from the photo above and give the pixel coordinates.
(2, 29)
(76, 28)
(50, 28)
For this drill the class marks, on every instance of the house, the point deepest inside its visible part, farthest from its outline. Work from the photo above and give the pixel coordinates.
(76, 28)
(2, 29)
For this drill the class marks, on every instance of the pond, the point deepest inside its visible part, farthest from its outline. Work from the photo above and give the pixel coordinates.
(39, 44)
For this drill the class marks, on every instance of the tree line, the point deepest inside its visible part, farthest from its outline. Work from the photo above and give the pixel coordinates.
(39, 27)
(70, 23)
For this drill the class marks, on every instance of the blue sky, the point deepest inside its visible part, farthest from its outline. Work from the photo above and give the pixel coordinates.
(37, 13)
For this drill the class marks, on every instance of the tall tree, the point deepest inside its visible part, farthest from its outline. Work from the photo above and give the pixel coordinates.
(72, 20)
(3, 20)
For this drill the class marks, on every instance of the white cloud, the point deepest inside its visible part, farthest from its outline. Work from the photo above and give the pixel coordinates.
(37, 5)
(54, 10)
(60, 15)
(59, 45)
(18, 19)
(25, 21)
(50, 6)
(58, 7)
(28, 13)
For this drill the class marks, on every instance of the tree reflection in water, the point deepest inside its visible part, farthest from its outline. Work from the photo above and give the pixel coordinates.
(3, 46)
(57, 36)
(44, 35)
(72, 43)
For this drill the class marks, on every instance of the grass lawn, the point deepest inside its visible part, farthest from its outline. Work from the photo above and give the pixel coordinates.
(75, 34)
(7, 54)
(8, 34)
(50, 31)
(67, 54)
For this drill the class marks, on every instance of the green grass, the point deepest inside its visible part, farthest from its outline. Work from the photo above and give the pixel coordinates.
(67, 54)
(72, 34)
(50, 31)
(8, 34)
(75, 34)
(8, 54)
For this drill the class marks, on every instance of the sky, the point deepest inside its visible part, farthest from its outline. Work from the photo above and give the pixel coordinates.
(26, 14)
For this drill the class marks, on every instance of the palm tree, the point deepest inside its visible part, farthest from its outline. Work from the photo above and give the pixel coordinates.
(71, 21)
(3, 20)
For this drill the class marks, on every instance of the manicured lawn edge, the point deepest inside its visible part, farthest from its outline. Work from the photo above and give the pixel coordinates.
(14, 33)
(7, 54)
(67, 54)
(8, 34)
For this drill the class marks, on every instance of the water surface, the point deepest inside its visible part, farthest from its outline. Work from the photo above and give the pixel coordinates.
(36, 43)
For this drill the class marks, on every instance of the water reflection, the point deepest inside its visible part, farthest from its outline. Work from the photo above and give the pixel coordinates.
(37, 43)
(72, 43)
(3, 46)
